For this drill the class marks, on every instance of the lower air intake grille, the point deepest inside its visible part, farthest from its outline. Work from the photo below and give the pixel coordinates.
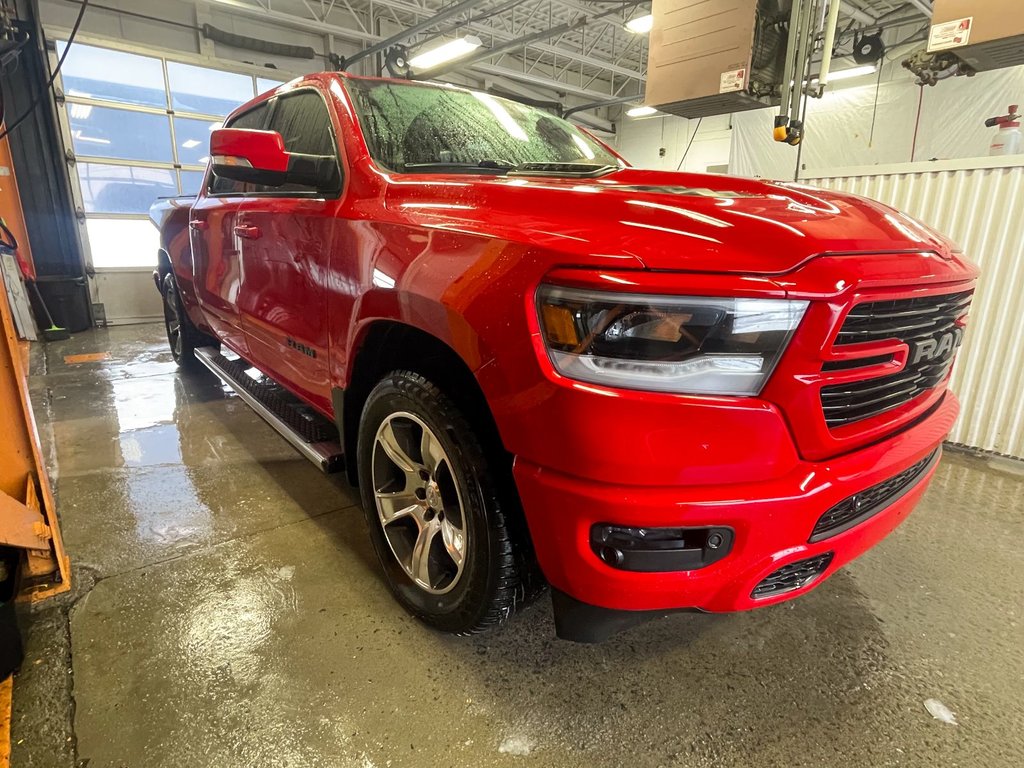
(792, 576)
(859, 507)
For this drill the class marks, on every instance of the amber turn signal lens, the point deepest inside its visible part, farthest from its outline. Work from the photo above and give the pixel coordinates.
(559, 327)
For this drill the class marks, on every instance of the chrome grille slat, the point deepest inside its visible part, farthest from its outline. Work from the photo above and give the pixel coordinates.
(898, 393)
(908, 320)
(897, 319)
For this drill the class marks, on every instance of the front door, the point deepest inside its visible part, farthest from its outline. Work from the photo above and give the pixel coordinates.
(286, 236)
(216, 246)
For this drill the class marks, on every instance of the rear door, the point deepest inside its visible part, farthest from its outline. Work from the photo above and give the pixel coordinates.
(286, 236)
(216, 246)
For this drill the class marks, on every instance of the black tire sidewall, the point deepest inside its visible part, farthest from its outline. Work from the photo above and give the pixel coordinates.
(171, 295)
(462, 608)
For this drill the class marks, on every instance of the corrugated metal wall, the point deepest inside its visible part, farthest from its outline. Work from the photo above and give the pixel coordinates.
(982, 209)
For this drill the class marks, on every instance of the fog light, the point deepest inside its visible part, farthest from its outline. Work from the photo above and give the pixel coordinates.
(652, 550)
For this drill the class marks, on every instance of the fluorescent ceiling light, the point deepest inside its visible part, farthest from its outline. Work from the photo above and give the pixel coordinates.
(189, 144)
(512, 128)
(641, 25)
(582, 146)
(81, 111)
(641, 111)
(454, 49)
(846, 74)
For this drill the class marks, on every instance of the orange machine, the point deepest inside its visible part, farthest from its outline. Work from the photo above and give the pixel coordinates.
(28, 518)
(10, 209)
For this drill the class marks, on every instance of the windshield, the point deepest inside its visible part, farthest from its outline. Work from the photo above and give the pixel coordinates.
(424, 128)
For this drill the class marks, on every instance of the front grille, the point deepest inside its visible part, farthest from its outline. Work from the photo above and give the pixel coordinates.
(859, 507)
(792, 576)
(912, 321)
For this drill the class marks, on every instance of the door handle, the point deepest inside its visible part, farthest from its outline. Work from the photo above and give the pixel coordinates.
(248, 231)
(199, 224)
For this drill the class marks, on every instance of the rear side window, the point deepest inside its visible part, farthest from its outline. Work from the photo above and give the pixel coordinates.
(254, 119)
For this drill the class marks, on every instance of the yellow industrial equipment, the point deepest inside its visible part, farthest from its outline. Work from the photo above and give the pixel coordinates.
(28, 517)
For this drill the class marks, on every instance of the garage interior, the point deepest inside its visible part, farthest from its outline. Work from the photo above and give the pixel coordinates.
(199, 593)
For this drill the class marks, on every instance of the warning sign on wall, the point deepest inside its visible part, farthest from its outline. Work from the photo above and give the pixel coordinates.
(950, 34)
(733, 80)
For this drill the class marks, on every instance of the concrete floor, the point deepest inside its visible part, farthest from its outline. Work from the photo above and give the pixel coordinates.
(227, 612)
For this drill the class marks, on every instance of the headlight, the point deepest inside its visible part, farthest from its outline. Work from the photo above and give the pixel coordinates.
(685, 344)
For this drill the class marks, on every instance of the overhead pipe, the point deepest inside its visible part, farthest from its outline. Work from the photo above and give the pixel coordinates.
(924, 7)
(452, 10)
(599, 104)
(857, 13)
(829, 43)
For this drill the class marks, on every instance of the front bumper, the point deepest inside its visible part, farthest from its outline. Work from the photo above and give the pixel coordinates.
(773, 520)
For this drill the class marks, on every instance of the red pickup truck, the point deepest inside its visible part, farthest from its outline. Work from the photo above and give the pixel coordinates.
(650, 390)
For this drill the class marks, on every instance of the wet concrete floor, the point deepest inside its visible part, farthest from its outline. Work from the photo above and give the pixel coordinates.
(227, 612)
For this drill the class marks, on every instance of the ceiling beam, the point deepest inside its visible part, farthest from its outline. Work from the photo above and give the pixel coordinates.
(504, 36)
(452, 10)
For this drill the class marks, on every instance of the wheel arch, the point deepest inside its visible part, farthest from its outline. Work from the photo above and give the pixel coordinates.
(387, 345)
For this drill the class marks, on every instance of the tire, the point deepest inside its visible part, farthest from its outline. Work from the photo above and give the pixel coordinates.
(439, 498)
(182, 336)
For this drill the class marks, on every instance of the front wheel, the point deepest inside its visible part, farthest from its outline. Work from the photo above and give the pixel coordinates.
(437, 523)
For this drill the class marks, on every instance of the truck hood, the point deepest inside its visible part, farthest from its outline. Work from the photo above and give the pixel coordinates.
(663, 220)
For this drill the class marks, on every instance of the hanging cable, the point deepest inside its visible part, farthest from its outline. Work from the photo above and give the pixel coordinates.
(49, 84)
(689, 144)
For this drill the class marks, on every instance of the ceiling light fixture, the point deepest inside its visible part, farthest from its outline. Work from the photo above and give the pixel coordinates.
(453, 49)
(641, 111)
(641, 25)
(846, 74)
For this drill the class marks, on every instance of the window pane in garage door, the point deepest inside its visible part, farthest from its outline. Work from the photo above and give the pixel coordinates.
(120, 133)
(263, 84)
(191, 182)
(193, 138)
(122, 242)
(207, 91)
(100, 73)
(123, 188)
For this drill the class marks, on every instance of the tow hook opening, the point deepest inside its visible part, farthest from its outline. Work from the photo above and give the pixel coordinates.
(660, 550)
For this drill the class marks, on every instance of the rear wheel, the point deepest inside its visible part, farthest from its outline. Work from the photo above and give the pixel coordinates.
(182, 336)
(436, 520)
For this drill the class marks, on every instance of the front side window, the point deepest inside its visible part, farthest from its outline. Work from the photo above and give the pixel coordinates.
(304, 123)
(254, 120)
(414, 127)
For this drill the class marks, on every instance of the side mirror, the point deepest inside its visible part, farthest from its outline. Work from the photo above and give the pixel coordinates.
(259, 157)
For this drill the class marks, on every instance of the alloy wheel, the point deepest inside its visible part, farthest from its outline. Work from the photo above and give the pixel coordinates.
(172, 319)
(419, 503)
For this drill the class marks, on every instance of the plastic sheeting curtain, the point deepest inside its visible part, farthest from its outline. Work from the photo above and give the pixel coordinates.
(838, 127)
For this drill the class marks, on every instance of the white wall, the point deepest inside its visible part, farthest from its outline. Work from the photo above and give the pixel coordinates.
(838, 130)
(838, 127)
(641, 141)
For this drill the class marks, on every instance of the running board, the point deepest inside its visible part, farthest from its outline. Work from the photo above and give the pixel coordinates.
(312, 435)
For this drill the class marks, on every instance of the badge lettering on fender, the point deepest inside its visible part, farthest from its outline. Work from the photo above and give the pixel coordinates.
(307, 351)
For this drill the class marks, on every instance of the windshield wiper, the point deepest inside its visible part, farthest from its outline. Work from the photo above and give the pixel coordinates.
(487, 166)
